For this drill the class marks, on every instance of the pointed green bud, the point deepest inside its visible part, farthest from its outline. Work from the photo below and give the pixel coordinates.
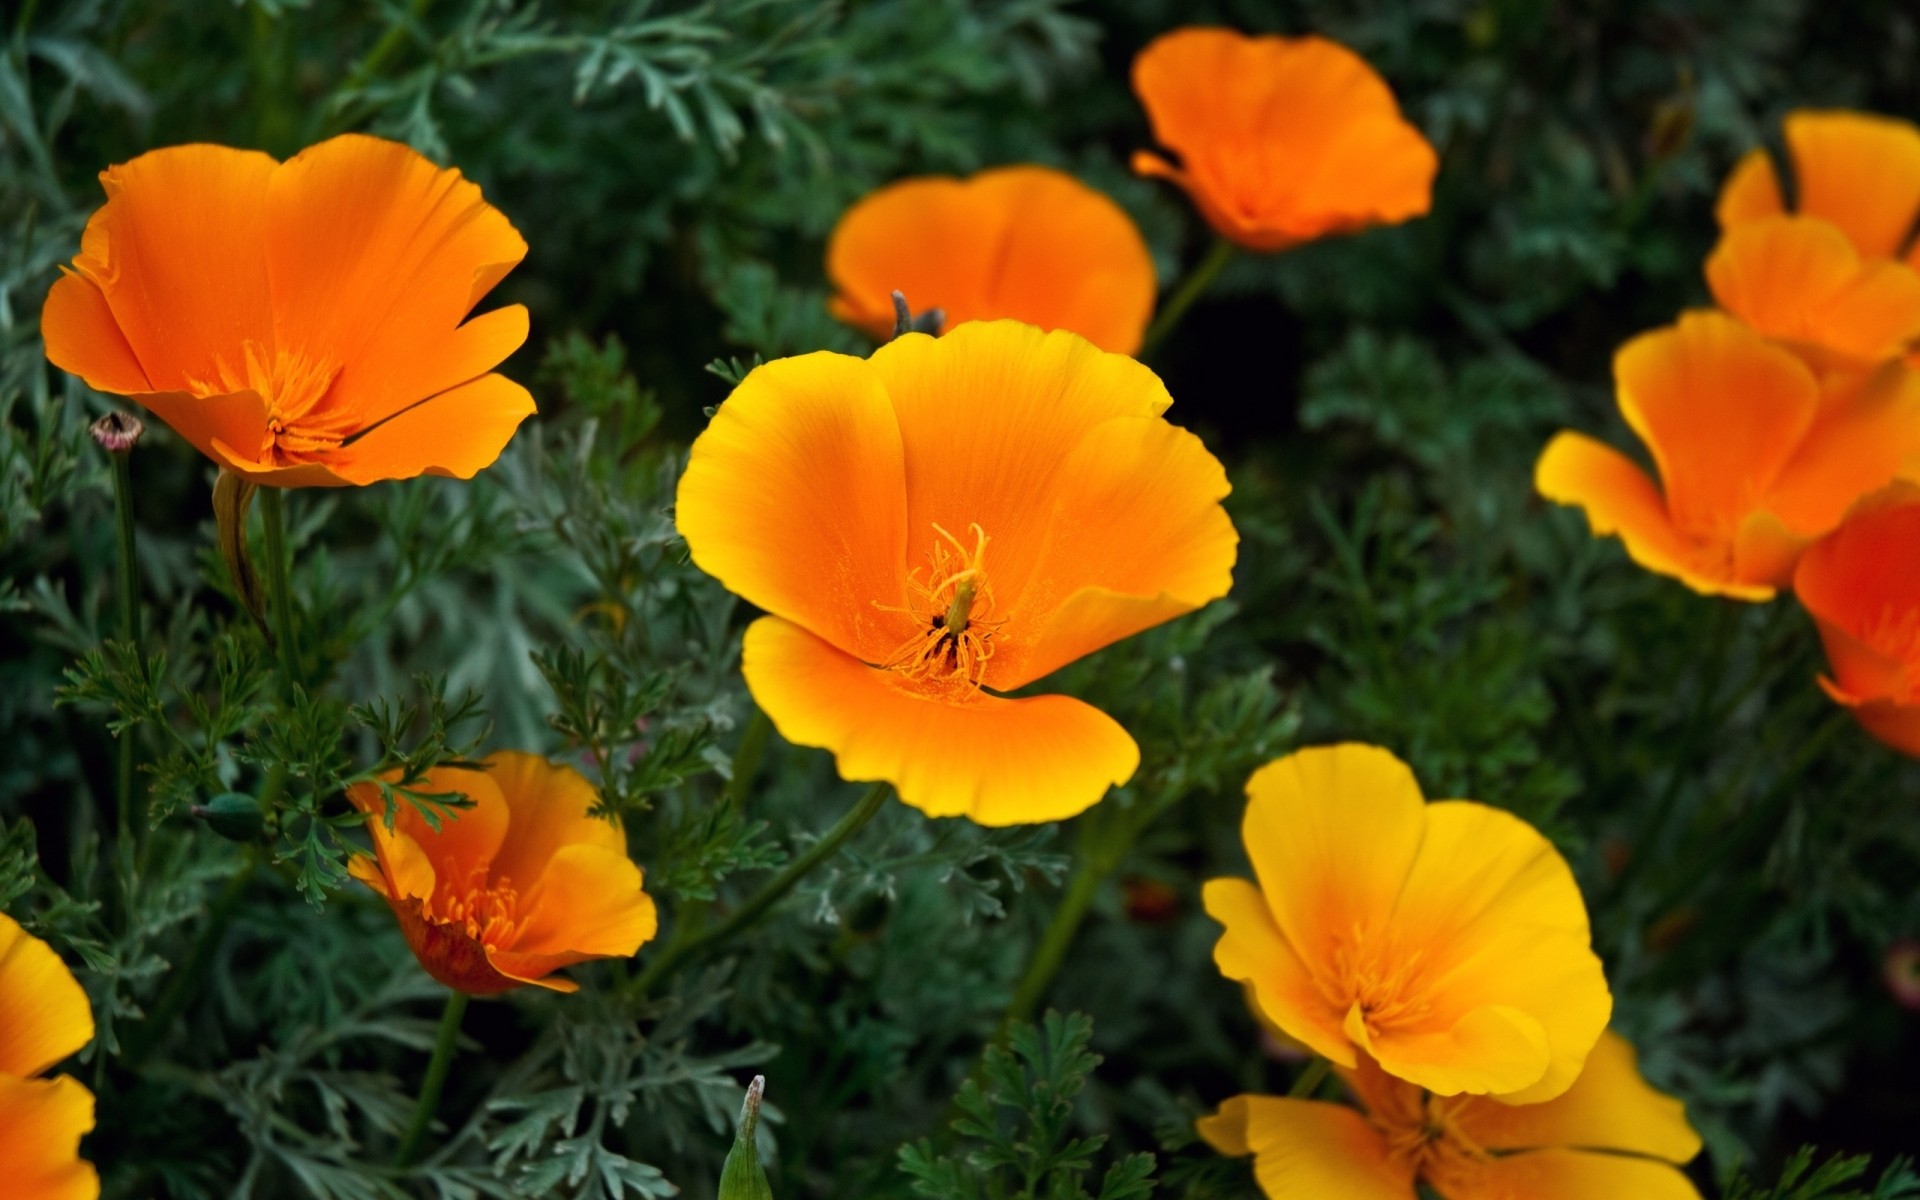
(235, 816)
(743, 1178)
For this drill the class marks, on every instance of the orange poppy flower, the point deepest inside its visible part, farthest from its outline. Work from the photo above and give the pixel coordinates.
(1609, 1136)
(523, 883)
(946, 520)
(1857, 171)
(301, 323)
(1280, 140)
(1756, 455)
(1861, 585)
(44, 1017)
(1448, 942)
(1800, 281)
(1028, 243)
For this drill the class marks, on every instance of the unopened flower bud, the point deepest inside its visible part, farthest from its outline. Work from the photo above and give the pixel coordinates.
(117, 432)
(743, 1178)
(235, 816)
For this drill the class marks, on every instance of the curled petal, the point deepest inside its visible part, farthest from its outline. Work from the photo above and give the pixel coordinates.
(1305, 1148)
(41, 1124)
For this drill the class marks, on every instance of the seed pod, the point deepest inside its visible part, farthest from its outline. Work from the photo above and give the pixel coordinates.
(742, 1178)
(235, 816)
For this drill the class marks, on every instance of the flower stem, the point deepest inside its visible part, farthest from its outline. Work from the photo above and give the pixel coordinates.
(273, 517)
(1190, 289)
(437, 1068)
(1054, 943)
(1308, 1081)
(680, 949)
(129, 620)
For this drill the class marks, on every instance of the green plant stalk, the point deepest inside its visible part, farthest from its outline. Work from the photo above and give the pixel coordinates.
(746, 759)
(273, 517)
(679, 949)
(184, 983)
(444, 1045)
(129, 621)
(1308, 1081)
(1189, 289)
(1058, 938)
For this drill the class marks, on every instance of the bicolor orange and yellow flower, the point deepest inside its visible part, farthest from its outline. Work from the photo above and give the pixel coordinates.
(1608, 1137)
(947, 520)
(1834, 276)
(1027, 243)
(1280, 140)
(301, 323)
(1861, 585)
(44, 1017)
(519, 885)
(1756, 454)
(1447, 941)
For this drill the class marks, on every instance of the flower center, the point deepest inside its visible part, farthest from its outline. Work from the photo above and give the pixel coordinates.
(953, 606)
(1895, 633)
(1378, 979)
(1432, 1143)
(489, 911)
(300, 427)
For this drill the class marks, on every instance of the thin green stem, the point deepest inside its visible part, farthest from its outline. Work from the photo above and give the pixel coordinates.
(1308, 1081)
(1058, 938)
(1189, 289)
(184, 982)
(280, 598)
(679, 949)
(430, 1087)
(746, 759)
(129, 620)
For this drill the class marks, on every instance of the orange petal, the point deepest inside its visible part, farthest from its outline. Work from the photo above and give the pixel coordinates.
(795, 498)
(1721, 410)
(1281, 139)
(1798, 279)
(987, 416)
(83, 338)
(1610, 1107)
(1028, 243)
(376, 255)
(589, 904)
(1859, 171)
(467, 841)
(1253, 950)
(999, 762)
(550, 806)
(1138, 537)
(235, 421)
(41, 1123)
(1861, 585)
(44, 1015)
(178, 251)
(1868, 427)
(1567, 1175)
(1305, 1148)
(1752, 191)
(458, 433)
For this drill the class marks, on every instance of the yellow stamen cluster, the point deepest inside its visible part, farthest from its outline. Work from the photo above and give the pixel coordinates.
(952, 604)
(489, 911)
(1381, 981)
(294, 388)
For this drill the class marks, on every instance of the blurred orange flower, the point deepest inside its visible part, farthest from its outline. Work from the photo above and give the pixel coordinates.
(523, 883)
(949, 519)
(44, 1017)
(1280, 140)
(1861, 585)
(1857, 171)
(1447, 942)
(1610, 1135)
(1028, 243)
(301, 323)
(1756, 455)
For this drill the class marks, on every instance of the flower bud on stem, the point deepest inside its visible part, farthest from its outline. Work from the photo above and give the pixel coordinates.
(743, 1178)
(118, 433)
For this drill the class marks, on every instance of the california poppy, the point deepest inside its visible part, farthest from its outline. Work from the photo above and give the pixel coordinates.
(950, 519)
(521, 884)
(1857, 171)
(1027, 243)
(1610, 1135)
(44, 1017)
(1800, 281)
(1280, 140)
(1861, 585)
(1446, 941)
(301, 323)
(1756, 455)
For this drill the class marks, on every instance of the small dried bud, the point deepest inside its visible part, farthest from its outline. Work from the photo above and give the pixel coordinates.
(904, 320)
(118, 432)
(1902, 967)
(742, 1177)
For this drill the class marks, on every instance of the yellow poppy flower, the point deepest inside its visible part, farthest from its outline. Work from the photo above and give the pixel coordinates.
(1027, 243)
(305, 323)
(1608, 1137)
(950, 519)
(1448, 941)
(516, 887)
(44, 1017)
